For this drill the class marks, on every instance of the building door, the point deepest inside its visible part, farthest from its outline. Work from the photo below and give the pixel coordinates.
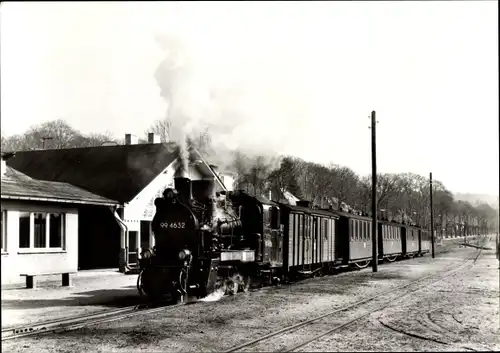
(146, 235)
(132, 247)
(98, 238)
(139, 240)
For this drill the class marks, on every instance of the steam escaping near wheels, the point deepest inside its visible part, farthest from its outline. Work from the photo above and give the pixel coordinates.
(217, 293)
(228, 286)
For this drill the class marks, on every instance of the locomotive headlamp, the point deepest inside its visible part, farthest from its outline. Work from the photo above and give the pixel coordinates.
(184, 254)
(146, 254)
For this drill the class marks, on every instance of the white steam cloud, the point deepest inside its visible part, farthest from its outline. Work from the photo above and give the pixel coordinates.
(233, 94)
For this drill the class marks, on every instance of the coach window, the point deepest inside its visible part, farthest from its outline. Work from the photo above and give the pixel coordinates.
(265, 216)
(365, 237)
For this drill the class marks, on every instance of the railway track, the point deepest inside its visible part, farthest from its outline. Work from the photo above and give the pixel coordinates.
(73, 323)
(280, 340)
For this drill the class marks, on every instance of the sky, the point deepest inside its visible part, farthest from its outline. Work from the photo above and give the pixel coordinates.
(298, 78)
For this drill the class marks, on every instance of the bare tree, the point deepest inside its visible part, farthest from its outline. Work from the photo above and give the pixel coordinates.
(344, 184)
(61, 134)
(162, 128)
(94, 139)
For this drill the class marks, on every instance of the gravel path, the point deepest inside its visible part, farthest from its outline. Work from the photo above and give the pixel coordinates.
(460, 313)
(216, 326)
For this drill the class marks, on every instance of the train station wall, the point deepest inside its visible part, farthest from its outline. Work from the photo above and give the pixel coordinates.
(37, 238)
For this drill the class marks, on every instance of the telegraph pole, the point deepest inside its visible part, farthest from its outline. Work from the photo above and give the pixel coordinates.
(432, 218)
(374, 196)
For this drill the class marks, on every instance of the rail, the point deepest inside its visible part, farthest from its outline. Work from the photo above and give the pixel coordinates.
(73, 323)
(449, 270)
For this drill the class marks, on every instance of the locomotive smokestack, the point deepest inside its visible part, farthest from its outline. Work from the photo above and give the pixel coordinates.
(183, 187)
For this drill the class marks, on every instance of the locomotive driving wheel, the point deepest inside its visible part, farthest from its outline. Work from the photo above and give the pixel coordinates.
(246, 283)
(140, 286)
(219, 286)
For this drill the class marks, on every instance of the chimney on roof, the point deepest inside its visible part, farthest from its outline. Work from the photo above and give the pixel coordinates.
(131, 139)
(153, 138)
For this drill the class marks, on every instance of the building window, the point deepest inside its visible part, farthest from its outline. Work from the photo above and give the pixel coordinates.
(41, 230)
(3, 229)
(24, 230)
(56, 230)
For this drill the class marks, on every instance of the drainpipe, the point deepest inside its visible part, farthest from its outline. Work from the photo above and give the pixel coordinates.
(123, 265)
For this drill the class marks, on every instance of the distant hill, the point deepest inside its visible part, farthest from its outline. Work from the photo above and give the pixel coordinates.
(477, 199)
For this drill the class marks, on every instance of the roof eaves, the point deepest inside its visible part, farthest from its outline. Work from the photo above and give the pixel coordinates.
(67, 200)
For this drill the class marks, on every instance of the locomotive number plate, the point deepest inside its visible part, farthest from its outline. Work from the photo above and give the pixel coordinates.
(175, 225)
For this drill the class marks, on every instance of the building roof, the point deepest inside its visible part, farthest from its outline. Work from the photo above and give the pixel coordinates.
(18, 186)
(114, 172)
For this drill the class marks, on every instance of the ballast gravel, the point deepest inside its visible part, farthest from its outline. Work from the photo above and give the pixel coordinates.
(233, 320)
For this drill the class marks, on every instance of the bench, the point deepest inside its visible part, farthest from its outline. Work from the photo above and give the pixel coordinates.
(31, 278)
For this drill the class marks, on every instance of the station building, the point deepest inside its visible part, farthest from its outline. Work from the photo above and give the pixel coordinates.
(40, 224)
(133, 175)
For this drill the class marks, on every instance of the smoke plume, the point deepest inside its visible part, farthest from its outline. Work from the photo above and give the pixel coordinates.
(236, 100)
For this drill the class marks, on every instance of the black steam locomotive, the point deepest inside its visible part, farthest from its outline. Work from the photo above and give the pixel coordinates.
(224, 241)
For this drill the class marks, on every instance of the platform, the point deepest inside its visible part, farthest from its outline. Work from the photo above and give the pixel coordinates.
(92, 291)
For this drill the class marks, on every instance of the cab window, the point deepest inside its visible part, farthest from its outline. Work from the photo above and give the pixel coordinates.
(275, 218)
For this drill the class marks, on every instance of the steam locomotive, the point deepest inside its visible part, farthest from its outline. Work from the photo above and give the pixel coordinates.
(224, 241)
